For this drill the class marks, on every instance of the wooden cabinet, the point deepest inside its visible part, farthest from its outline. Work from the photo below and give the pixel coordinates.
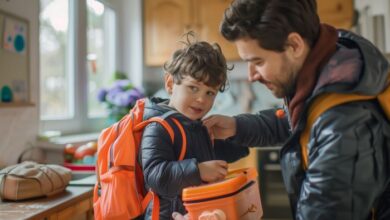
(166, 21)
(209, 14)
(339, 13)
(79, 211)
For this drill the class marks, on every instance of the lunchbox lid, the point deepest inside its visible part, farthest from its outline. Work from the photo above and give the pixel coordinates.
(233, 182)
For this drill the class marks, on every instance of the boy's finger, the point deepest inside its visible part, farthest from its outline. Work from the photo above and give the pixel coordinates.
(223, 163)
(223, 172)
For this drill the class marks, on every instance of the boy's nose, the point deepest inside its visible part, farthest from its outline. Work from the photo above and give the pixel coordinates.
(200, 99)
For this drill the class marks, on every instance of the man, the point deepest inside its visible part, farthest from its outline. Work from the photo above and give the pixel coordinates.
(299, 60)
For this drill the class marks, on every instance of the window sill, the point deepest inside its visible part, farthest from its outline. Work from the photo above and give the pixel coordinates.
(16, 104)
(58, 143)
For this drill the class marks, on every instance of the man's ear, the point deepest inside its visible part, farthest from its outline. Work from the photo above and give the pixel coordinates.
(168, 83)
(295, 45)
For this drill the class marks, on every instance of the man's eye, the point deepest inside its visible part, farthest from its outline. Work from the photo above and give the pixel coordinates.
(260, 63)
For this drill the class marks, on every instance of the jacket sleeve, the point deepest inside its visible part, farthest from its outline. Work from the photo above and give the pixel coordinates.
(346, 172)
(261, 129)
(163, 173)
(228, 151)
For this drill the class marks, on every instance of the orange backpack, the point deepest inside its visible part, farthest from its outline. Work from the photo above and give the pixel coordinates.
(119, 175)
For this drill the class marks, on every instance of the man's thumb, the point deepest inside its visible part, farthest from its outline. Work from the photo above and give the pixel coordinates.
(174, 215)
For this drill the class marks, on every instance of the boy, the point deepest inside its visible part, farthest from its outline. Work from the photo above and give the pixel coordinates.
(193, 77)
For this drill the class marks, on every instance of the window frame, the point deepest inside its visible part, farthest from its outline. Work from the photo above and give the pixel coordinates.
(80, 122)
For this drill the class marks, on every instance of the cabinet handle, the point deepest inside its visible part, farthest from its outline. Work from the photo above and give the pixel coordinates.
(339, 7)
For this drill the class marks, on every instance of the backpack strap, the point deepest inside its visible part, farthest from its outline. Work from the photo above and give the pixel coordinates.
(329, 100)
(162, 120)
(152, 196)
(384, 98)
(319, 106)
(183, 150)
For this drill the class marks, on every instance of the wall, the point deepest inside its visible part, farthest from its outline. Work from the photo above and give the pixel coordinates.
(129, 39)
(19, 126)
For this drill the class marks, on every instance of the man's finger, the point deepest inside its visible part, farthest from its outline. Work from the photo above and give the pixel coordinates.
(178, 216)
(209, 121)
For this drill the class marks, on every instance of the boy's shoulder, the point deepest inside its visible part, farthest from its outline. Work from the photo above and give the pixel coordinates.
(154, 107)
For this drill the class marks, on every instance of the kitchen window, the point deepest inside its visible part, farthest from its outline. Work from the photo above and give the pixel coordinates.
(77, 57)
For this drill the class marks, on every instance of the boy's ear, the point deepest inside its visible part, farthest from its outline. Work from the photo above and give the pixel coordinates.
(168, 83)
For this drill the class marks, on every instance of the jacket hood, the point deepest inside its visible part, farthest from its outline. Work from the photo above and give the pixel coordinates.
(155, 107)
(357, 67)
(376, 67)
(158, 106)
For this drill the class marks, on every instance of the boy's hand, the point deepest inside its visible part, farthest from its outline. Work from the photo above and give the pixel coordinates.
(214, 170)
(220, 126)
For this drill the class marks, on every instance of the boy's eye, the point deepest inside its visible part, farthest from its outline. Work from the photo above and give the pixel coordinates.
(210, 93)
(193, 88)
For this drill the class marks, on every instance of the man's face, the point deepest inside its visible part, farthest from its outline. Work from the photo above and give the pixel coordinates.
(276, 70)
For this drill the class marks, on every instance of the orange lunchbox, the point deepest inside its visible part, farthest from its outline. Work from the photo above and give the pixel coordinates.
(237, 197)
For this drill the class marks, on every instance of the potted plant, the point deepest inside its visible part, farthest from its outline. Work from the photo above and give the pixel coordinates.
(119, 98)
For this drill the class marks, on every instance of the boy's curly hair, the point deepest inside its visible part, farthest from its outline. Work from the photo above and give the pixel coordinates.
(200, 60)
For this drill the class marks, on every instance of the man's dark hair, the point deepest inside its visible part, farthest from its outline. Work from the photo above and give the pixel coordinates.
(271, 21)
(200, 60)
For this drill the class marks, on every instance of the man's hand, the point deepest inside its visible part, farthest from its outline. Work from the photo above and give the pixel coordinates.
(213, 170)
(220, 126)
(178, 216)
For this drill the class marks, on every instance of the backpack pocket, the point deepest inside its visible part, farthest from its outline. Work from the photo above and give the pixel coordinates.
(119, 198)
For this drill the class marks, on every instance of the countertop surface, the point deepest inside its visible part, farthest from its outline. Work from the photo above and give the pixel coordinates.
(42, 207)
(87, 181)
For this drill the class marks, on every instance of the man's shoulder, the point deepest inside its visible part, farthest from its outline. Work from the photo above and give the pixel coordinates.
(348, 115)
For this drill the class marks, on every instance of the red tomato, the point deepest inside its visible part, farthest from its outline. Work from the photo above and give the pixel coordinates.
(83, 151)
(70, 149)
(92, 144)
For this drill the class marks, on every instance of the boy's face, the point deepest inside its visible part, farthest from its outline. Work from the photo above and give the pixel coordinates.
(191, 97)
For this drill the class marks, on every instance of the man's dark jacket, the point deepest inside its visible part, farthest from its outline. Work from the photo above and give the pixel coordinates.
(348, 152)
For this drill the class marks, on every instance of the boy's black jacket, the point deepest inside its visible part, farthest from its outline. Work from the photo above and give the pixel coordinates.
(163, 173)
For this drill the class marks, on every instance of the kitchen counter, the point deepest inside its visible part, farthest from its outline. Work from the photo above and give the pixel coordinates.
(74, 203)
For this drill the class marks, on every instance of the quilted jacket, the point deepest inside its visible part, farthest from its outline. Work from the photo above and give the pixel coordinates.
(348, 149)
